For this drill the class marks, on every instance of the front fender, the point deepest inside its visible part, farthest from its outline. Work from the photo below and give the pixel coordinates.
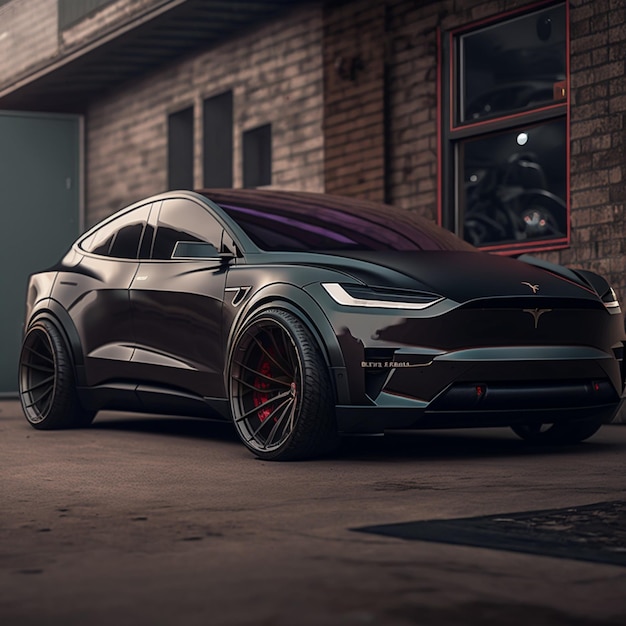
(301, 304)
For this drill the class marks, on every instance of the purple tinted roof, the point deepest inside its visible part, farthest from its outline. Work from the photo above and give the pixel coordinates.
(292, 220)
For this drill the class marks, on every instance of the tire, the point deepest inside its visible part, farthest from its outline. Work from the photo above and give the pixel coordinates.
(46, 381)
(280, 393)
(561, 433)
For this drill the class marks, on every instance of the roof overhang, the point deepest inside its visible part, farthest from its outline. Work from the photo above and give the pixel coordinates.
(160, 35)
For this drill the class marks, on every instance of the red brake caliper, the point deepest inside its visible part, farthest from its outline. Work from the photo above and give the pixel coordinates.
(259, 398)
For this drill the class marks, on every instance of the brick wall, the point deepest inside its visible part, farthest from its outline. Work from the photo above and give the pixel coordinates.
(598, 156)
(354, 97)
(28, 36)
(275, 72)
(412, 94)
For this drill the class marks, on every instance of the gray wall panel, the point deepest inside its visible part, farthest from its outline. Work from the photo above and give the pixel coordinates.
(40, 197)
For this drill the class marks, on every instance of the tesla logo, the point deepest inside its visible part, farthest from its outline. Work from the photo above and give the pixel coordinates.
(535, 288)
(536, 314)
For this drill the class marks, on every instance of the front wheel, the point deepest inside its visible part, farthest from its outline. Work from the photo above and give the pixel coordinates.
(46, 380)
(560, 433)
(280, 392)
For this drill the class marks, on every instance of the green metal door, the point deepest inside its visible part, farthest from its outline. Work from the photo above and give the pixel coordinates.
(40, 214)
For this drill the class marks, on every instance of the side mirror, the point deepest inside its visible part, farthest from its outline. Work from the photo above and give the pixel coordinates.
(226, 257)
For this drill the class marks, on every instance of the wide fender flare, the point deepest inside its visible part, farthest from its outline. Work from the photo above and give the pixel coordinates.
(51, 310)
(308, 311)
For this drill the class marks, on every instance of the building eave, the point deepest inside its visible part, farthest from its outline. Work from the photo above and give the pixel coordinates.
(69, 81)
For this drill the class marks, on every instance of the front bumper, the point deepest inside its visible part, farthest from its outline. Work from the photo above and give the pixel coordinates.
(376, 420)
(477, 387)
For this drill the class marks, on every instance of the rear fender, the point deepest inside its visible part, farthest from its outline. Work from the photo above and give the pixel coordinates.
(49, 309)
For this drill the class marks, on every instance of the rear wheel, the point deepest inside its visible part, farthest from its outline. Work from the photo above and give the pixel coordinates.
(46, 381)
(561, 433)
(280, 392)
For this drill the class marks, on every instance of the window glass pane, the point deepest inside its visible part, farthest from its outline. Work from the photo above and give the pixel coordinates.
(335, 224)
(180, 150)
(72, 11)
(126, 242)
(119, 238)
(514, 65)
(100, 242)
(515, 185)
(184, 220)
(257, 156)
(218, 140)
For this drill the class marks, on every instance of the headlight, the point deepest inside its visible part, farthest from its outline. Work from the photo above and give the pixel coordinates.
(380, 297)
(610, 301)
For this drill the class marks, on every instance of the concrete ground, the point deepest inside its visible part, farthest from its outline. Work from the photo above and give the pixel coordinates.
(155, 521)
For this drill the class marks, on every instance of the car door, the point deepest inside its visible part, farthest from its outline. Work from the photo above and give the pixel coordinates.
(176, 299)
(95, 294)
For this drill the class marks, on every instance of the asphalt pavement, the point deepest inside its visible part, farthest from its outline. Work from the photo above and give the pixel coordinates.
(148, 520)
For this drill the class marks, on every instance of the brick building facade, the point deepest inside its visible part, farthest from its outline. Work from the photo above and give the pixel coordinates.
(353, 93)
(275, 75)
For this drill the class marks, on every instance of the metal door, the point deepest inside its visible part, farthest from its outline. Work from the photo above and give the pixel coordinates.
(40, 214)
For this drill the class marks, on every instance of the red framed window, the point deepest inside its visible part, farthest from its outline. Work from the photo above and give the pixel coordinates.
(504, 130)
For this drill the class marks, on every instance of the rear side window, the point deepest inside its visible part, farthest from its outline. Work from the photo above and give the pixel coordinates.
(121, 237)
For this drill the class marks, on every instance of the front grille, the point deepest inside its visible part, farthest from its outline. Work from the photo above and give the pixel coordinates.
(524, 325)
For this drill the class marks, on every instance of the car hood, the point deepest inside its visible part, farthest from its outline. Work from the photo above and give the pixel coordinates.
(461, 276)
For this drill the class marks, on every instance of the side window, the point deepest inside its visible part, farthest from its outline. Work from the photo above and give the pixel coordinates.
(126, 242)
(100, 242)
(184, 221)
(119, 238)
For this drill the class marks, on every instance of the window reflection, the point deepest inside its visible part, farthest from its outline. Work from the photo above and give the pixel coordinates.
(514, 65)
(515, 185)
(119, 238)
(308, 223)
(183, 220)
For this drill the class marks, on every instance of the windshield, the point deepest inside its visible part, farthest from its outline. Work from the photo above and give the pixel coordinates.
(290, 221)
